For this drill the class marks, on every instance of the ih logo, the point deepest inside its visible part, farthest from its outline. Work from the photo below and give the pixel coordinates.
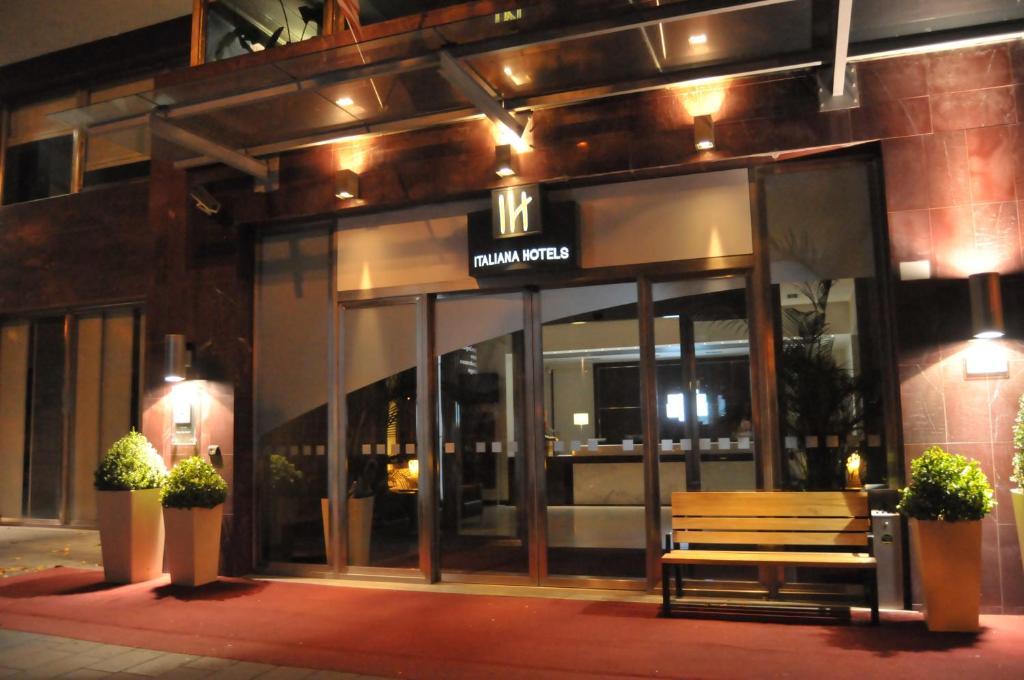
(511, 214)
(514, 211)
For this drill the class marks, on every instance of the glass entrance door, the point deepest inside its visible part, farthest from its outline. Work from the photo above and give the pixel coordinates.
(483, 467)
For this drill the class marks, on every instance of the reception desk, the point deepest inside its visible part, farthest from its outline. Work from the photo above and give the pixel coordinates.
(610, 476)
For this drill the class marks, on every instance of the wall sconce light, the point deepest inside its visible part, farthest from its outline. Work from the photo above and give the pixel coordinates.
(176, 359)
(986, 306)
(505, 164)
(703, 132)
(346, 185)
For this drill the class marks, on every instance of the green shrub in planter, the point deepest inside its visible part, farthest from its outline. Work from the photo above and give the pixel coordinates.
(131, 464)
(945, 486)
(193, 483)
(1017, 464)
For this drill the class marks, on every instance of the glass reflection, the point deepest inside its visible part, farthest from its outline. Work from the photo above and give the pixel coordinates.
(594, 433)
(380, 387)
(483, 464)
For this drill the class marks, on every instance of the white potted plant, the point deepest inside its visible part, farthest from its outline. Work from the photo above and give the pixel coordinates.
(128, 482)
(1017, 475)
(946, 500)
(193, 500)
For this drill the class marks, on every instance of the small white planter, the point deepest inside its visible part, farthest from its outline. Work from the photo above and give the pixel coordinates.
(131, 535)
(193, 544)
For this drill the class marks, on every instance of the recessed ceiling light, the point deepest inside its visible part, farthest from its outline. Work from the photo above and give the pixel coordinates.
(344, 102)
(698, 39)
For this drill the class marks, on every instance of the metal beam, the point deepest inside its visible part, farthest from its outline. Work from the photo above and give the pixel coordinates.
(479, 93)
(164, 129)
(842, 47)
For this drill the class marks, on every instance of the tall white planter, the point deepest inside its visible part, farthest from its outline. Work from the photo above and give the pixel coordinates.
(131, 535)
(193, 544)
(1017, 498)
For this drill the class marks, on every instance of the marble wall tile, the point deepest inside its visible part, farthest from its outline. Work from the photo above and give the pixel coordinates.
(969, 69)
(996, 237)
(923, 403)
(953, 241)
(1012, 569)
(897, 118)
(947, 171)
(973, 108)
(991, 157)
(967, 413)
(991, 574)
(885, 80)
(910, 235)
(906, 173)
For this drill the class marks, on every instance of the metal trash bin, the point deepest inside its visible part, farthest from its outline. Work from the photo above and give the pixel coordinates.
(887, 528)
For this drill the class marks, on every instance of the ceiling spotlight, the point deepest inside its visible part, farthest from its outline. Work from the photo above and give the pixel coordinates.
(986, 306)
(698, 39)
(504, 161)
(703, 133)
(346, 185)
(344, 102)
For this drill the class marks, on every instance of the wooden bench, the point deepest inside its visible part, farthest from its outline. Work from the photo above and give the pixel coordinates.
(764, 524)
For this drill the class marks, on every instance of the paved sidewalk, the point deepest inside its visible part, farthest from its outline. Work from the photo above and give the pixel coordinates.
(26, 549)
(31, 656)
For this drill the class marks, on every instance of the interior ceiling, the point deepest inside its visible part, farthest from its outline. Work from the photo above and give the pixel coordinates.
(31, 28)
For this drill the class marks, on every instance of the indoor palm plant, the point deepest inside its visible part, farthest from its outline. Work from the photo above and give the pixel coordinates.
(946, 500)
(193, 500)
(128, 482)
(1017, 475)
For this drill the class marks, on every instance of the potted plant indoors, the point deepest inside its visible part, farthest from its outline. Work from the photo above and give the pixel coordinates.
(193, 500)
(946, 500)
(360, 515)
(128, 482)
(1017, 475)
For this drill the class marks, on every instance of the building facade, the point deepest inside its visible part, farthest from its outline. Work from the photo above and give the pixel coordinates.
(332, 225)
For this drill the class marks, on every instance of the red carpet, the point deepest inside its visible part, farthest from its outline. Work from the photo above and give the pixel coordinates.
(438, 635)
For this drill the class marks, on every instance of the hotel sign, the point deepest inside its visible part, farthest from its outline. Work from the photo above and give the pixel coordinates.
(523, 233)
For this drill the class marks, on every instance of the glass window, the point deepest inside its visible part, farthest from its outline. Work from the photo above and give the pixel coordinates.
(38, 169)
(483, 461)
(379, 360)
(702, 348)
(292, 313)
(594, 431)
(372, 11)
(236, 27)
(41, 494)
(829, 362)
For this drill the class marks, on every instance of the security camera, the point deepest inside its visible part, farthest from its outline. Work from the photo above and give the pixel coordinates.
(205, 201)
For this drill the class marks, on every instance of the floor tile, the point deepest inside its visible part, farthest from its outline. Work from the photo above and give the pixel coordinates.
(287, 673)
(188, 673)
(243, 670)
(211, 663)
(125, 660)
(160, 665)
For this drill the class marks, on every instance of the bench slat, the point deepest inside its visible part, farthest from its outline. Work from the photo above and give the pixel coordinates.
(771, 503)
(858, 538)
(800, 559)
(832, 524)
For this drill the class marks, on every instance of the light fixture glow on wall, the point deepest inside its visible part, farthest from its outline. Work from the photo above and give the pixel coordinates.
(986, 306)
(175, 358)
(505, 164)
(703, 133)
(346, 185)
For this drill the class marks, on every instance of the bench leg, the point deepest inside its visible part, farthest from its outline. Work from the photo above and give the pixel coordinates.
(871, 590)
(679, 580)
(666, 597)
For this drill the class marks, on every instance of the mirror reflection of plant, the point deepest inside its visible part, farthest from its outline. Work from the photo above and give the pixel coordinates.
(820, 396)
(285, 478)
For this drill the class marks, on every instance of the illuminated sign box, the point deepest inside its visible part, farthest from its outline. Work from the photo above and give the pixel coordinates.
(523, 233)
